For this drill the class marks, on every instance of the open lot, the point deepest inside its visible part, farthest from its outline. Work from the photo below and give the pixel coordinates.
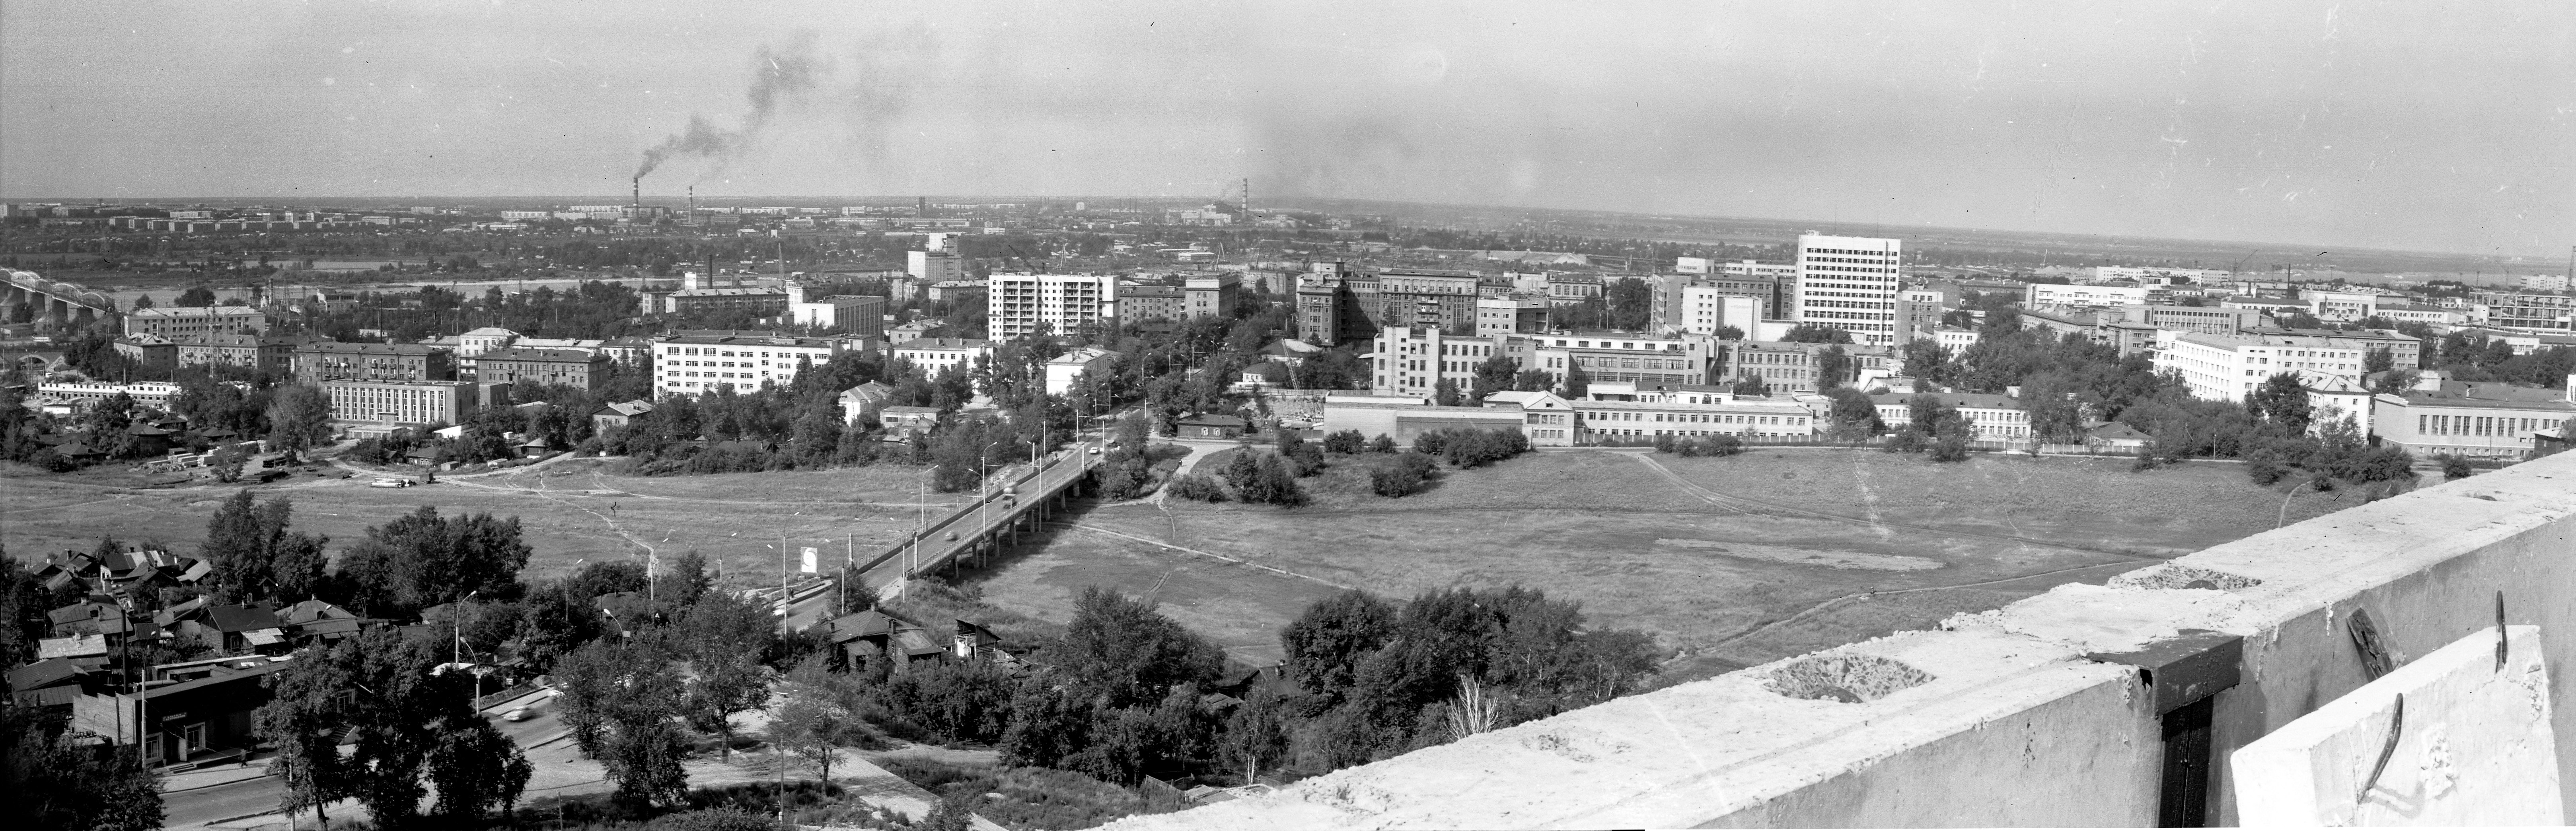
(1732, 561)
(570, 511)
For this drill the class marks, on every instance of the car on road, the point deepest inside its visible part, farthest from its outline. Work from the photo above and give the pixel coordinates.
(952, 535)
(1095, 450)
(519, 714)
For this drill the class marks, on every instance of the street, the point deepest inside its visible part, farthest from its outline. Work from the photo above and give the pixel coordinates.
(204, 805)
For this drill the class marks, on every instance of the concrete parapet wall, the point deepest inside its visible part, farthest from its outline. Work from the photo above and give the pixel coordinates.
(2015, 726)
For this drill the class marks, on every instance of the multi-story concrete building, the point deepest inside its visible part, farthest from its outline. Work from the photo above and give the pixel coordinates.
(694, 362)
(2486, 420)
(2404, 351)
(1919, 309)
(928, 267)
(2545, 282)
(1850, 283)
(1704, 310)
(2227, 367)
(1327, 312)
(936, 355)
(2082, 296)
(1516, 314)
(1411, 361)
(1620, 411)
(861, 315)
(1990, 417)
(1213, 295)
(1063, 303)
(2207, 320)
(177, 322)
(262, 352)
(483, 340)
(1139, 302)
(2546, 312)
(1643, 359)
(1793, 368)
(2441, 319)
(576, 368)
(400, 402)
(316, 361)
(1698, 304)
(147, 349)
(1570, 289)
(2342, 305)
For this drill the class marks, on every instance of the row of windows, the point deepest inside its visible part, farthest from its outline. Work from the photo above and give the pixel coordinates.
(1696, 418)
(712, 352)
(2444, 425)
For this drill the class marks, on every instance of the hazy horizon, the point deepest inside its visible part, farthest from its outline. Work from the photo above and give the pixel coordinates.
(2443, 129)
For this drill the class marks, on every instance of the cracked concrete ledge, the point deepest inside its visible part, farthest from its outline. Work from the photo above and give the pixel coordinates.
(2016, 727)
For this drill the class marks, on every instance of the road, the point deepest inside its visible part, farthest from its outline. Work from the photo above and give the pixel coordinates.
(204, 805)
(962, 528)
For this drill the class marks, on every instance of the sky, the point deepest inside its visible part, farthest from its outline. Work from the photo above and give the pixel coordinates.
(2439, 126)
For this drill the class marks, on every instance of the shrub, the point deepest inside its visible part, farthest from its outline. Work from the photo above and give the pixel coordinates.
(1722, 445)
(2265, 468)
(1432, 442)
(1407, 474)
(1663, 442)
(1346, 442)
(715, 819)
(2454, 466)
(1382, 444)
(1197, 487)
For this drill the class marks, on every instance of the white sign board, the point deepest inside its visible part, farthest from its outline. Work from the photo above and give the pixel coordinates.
(2472, 747)
(809, 565)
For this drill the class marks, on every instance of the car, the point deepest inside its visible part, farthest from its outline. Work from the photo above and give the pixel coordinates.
(952, 535)
(388, 483)
(518, 714)
(1095, 450)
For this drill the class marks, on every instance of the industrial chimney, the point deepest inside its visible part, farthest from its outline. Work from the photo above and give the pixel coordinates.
(639, 196)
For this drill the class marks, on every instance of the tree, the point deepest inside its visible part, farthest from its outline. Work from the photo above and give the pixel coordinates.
(1409, 471)
(811, 722)
(1751, 383)
(724, 637)
(413, 723)
(1327, 641)
(1445, 393)
(1125, 653)
(195, 296)
(476, 771)
(1815, 333)
(2282, 399)
(1257, 731)
(2378, 360)
(299, 416)
(303, 720)
(68, 779)
(1833, 367)
(2394, 382)
(1345, 442)
(1534, 380)
(1854, 416)
(1926, 360)
(1493, 375)
(620, 701)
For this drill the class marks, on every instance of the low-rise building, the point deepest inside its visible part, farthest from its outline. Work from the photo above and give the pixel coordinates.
(206, 715)
(147, 349)
(937, 355)
(2082, 296)
(904, 422)
(1063, 369)
(1139, 302)
(401, 402)
(2210, 320)
(147, 393)
(574, 368)
(1636, 357)
(619, 413)
(260, 352)
(1990, 417)
(1625, 412)
(864, 401)
(1513, 314)
(2483, 420)
(1795, 368)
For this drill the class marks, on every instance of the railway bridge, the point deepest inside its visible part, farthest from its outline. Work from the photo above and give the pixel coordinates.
(55, 302)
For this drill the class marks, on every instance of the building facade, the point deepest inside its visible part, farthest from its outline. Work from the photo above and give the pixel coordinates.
(690, 363)
(2227, 367)
(317, 361)
(1514, 314)
(1020, 304)
(2491, 421)
(1411, 362)
(1794, 368)
(937, 355)
(184, 321)
(528, 365)
(1138, 302)
(1850, 283)
(400, 402)
(1990, 417)
(2081, 296)
(1213, 295)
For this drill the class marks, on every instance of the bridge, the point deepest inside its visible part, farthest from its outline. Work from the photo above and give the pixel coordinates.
(1023, 497)
(56, 302)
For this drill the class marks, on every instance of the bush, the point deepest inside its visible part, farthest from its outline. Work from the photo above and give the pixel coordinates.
(1197, 487)
(1408, 474)
(2454, 466)
(1346, 442)
(1382, 444)
(1721, 445)
(1664, 442)
(2265, 468)
(1432, 442)
(715, 819)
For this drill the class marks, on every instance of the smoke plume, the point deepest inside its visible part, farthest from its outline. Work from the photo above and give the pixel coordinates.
(778, 76)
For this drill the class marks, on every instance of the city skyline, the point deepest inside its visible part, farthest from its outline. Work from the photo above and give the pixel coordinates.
(2391, 127)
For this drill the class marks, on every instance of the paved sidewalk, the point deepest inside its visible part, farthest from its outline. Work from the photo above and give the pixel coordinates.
(217, 775)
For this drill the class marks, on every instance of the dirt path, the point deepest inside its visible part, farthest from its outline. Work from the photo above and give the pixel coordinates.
(1742, 505)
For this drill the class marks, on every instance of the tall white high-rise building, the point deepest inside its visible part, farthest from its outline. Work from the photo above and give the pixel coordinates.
(1017, 303)
(1849, 283)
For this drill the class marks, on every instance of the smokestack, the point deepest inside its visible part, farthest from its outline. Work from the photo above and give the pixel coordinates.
(921, 207)
(639, 195)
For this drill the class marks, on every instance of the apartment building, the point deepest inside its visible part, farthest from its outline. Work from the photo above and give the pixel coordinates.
(577, 368)
(693, 362)
(2404, 351)
(266, 352)
(317, 361)
(2210, 320)
(401, 402)
(2485, 420)
(1850, 283)
(859, 315)
(178, 322)
(2547, 312)
(2227, 367)
(1920, 309)
(1020, 304)
(929, 267)
(1138, 302)
(936, 355)
(1213, 295)
(2342, 305)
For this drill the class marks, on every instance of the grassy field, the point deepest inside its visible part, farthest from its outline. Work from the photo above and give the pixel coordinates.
(1850, 545)
(571, 511)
